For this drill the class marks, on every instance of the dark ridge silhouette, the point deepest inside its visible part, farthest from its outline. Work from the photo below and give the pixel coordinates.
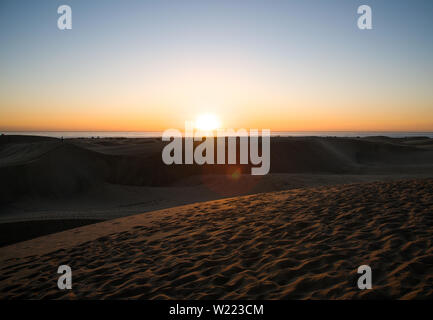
(47, 167)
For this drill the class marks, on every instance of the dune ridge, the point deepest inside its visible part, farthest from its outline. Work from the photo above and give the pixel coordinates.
(49, 167)
(303, 243)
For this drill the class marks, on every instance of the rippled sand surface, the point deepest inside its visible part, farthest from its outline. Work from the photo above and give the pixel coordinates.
(296, 244)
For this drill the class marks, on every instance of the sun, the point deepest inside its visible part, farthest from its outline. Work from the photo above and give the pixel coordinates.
(207, 122)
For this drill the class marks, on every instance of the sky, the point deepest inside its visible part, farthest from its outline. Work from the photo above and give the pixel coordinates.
(280, 65)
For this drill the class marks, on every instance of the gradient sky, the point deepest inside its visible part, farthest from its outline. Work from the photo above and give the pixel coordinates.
(151, 65)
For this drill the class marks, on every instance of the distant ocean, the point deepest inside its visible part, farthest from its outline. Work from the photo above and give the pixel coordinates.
(156, 134)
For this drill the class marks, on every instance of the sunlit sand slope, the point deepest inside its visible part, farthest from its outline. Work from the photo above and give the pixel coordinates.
(304, 243)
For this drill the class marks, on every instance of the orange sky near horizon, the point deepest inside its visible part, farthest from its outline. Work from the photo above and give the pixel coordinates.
(284, 110)
(242, 94)
(142, 122)
(151, 66)
(122, 96)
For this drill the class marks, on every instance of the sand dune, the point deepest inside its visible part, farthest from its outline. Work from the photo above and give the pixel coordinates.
(47, 167)
(304, 243)
(88, 179)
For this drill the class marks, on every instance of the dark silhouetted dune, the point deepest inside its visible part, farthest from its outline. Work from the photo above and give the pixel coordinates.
(62, 169)
(92, 179)
(47, 166)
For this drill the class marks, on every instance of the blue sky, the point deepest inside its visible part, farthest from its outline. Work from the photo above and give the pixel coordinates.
(147, 50)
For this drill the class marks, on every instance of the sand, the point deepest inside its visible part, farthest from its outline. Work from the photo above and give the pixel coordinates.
(13, 232)
(49, 181)
(294, 244)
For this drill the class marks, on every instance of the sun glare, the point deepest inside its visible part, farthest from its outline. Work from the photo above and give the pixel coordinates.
(207, 122)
